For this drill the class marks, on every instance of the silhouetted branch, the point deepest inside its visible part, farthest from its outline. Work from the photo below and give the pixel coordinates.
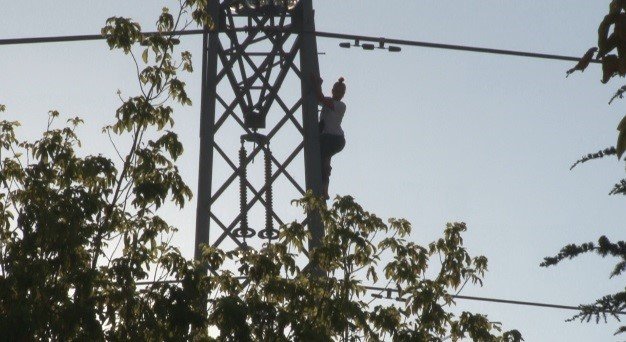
(618, 94)
(568, 252)
(604, 307)
(600, 154)
(610, 305)
(583, 63)
(603, 248)
(619, 188)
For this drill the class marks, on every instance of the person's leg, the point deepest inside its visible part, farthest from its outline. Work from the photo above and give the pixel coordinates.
(326, 168)
(333, 145)
(325, 159)
(326, 175)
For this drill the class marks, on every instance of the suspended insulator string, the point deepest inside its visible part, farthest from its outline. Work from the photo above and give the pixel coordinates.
(269, 222)
(243, 193)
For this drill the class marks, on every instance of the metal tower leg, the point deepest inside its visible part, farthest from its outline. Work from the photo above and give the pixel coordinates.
(312, 159)
(207, 130)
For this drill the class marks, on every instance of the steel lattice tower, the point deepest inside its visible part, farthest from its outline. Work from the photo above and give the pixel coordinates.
(253, 47)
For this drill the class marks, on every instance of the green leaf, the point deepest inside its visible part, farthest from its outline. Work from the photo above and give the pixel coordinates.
(620, 146)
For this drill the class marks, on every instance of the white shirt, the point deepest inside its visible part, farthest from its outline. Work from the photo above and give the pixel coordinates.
(332, 118)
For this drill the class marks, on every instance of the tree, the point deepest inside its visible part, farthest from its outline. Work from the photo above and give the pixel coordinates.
(611, 52)
(84, 254)
(77, 233)
(281, 302)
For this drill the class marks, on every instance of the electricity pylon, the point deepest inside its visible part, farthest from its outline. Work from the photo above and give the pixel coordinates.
(253, 47)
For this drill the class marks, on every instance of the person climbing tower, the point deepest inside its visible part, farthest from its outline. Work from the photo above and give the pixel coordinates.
(332, 138)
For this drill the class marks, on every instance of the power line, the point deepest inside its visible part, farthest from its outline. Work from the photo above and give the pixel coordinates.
(332, 35)
(449, 46)
(517, 302)
(492, 300)
(480, 299)
(86, 37)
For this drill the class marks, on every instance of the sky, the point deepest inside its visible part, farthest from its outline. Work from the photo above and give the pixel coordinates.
(433, 136)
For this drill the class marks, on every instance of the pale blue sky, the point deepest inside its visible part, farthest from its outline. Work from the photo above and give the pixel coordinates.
(432, 135)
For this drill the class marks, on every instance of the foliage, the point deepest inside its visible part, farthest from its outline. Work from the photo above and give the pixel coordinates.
(78, 233)
(610, 305)
(84, 254)
(583, 63)
(597, 155)
(281, 302)
(611, 52)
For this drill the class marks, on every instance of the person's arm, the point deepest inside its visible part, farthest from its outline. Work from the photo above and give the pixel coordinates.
(317, 86)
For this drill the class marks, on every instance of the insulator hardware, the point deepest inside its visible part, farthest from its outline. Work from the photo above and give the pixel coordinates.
(370, 46)
(244, 231)
(269, 233)
(252, 6)
(268, 190)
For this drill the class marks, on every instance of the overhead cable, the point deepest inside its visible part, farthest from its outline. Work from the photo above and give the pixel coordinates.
(332, 35)
(392, 290)
(493, 300)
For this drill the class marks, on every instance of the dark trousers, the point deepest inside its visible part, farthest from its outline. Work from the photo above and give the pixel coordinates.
(330, 145)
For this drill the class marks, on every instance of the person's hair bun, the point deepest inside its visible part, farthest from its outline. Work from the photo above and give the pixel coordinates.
(341, 79)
